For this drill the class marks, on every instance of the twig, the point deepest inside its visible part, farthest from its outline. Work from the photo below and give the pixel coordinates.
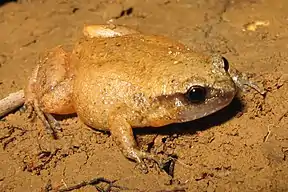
(92, 182)
(282, 116)
(174, 190)
(269, 129)
(268, 133)
(11, 102)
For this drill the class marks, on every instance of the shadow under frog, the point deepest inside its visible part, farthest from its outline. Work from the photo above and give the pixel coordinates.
(202, 124)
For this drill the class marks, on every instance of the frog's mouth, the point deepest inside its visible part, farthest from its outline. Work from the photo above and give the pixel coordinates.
(211, 105)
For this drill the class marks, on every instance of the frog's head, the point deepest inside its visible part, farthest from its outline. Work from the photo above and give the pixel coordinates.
(204, 92)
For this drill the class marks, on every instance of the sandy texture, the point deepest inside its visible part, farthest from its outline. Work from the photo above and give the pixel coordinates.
(242, 148)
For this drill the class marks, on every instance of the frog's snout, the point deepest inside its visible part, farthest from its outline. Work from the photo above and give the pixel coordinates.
(212, 104)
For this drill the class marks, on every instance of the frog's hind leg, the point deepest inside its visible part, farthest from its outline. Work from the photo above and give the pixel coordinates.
(47, 119)
(49, 90)
(44, 113)
(55, 102)
(107, 31)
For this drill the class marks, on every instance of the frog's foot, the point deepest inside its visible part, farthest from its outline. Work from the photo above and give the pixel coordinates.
(49, 122)
(106, 31)
(123, 136)
(166, 164)
(138, 156)
(242, 81)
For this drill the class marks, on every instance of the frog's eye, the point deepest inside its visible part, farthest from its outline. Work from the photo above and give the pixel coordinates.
(196, 94)
(220, 62)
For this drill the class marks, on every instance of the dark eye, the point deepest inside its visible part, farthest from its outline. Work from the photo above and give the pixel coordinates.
(196, 94)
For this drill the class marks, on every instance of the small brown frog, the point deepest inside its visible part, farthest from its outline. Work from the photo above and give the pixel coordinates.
(117, 79)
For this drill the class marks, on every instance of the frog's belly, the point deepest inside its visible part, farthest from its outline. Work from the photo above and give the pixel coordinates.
(95, 99)
(90, 112)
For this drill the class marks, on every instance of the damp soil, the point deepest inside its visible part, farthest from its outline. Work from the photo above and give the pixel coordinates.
(243, 147)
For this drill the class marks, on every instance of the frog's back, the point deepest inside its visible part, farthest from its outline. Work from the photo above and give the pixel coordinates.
(128, 70)
(139, 59)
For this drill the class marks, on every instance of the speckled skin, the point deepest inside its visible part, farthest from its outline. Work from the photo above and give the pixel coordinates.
(126, 80)
(143, 76)
(51, 83)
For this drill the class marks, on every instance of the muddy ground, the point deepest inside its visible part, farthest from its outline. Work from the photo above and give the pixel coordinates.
(241, 148)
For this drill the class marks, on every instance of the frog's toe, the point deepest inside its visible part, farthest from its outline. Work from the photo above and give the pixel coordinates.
(139, 156)
(53, 122)
(49, 122)
(30, 111)
(242, 81)
(142, 167)
(255, 87)
(167, 164)
(27, 108)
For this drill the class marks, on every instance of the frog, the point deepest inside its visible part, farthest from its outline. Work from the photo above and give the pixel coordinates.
(118, 79)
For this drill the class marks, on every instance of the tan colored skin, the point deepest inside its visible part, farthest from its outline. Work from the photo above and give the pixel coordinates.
(49, 89)
(117, 79)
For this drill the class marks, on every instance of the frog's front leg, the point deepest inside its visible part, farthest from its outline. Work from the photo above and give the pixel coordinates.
(122, 133)
(240, 79)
